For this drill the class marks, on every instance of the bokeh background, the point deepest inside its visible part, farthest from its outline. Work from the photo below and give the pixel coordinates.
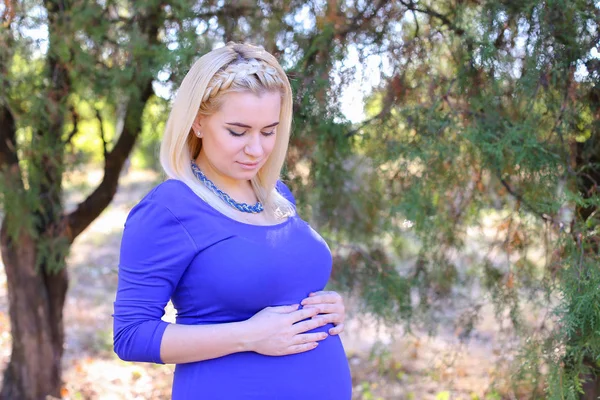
(447, 150)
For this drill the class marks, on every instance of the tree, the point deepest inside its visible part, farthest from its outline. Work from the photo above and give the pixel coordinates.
(106, 56)
(36, 231)
(483, 107)
(492, 106)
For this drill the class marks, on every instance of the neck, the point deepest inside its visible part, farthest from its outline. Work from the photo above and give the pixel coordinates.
(241, 190)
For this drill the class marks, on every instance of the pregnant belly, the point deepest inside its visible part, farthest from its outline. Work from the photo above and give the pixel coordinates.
(322, 373)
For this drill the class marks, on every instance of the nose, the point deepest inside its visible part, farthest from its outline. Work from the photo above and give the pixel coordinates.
(254, 146)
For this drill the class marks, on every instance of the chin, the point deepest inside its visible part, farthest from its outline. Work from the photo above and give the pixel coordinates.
(245, 175)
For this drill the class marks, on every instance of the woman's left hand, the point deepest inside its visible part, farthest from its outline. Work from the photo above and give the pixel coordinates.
(331, 308)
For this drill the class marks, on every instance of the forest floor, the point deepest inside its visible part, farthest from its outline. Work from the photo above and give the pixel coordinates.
(386, 362)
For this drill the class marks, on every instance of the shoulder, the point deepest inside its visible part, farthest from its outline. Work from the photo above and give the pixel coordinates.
(285, 191)
(170, 193)
(171, 198)
(150, 224)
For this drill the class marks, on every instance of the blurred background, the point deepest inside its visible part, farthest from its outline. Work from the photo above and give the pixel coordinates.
(447, 150)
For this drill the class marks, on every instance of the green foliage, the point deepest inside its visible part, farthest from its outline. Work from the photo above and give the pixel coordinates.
(483, 120)
(155, 118)
(489, 120)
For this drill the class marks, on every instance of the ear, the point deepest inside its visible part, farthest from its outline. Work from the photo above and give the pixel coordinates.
(197, 126)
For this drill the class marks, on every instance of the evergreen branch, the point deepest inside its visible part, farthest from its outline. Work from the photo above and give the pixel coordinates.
(522, 200)
(556, 129)
(593, 180)
(432, 13)
(89, 209)
(390, 99)
(360, 20)
(229, 11)
(363, 124)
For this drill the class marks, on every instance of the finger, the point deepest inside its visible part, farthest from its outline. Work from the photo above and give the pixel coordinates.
(322, 297)
(310, 337)
(322, 292)
(333, 318)
(328, 308)
(284, 309)
(308, 325)
(303, 314)
(336, 330)
(301, 348)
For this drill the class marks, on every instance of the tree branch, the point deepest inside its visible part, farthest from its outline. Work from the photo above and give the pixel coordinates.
(8, 142)
(525, 203)
(365, 123)
(417, 27)
(432, 13)
(102, 135)
(75, 118)
(88, 210)
(394, 89)
(10, 170)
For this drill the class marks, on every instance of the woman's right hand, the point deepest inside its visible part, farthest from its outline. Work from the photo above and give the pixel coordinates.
(277, 331)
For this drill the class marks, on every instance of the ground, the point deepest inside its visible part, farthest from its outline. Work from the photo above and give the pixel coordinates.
(386, 362)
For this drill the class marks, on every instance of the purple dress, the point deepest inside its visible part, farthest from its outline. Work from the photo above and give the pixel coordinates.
(216, 270)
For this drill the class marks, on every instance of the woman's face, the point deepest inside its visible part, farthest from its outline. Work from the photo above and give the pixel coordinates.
(238, 139)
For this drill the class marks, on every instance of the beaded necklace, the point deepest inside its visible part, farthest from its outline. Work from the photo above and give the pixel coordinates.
(255, 209)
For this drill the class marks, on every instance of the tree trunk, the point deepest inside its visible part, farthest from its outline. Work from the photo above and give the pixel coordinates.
(591, 388)
(36, 302)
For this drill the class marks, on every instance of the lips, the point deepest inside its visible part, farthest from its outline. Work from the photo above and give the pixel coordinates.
(249, 164)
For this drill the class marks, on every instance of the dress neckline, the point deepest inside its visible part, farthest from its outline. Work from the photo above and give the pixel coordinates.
(219, 213)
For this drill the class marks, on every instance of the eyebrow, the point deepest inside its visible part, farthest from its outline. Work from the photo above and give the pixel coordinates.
(248, 126)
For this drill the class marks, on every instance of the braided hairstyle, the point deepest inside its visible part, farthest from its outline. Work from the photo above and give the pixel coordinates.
(235, 67)
(241, 75)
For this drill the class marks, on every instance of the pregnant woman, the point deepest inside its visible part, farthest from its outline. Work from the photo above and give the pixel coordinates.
(222, 240)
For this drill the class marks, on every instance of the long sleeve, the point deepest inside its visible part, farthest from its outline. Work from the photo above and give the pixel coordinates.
(156, 249)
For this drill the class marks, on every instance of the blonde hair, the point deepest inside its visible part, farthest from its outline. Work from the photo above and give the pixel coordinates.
(233, 68)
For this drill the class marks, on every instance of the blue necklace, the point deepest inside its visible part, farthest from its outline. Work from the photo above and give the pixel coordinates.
(255, 209)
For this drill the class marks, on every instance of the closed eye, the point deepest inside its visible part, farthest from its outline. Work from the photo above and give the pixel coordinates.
(236, 134)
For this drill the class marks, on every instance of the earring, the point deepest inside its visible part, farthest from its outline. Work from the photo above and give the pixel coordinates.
(199, 134)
